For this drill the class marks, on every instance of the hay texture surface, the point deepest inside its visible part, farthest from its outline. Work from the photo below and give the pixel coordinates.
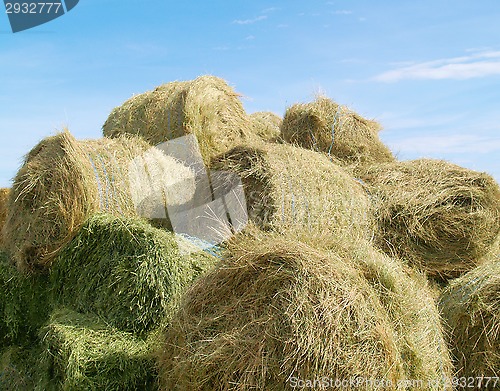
(266, 125)
(470, 306)
(277, 311)
(441, 216)
(327, 127)
(4, 200)
(62, 182)
(298, 191)
(24, 306)
(207, 107)
(82, 353)
(126, 272)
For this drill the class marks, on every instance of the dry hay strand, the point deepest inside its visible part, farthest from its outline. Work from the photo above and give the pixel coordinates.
(125, 271)
(62, 182)
(470, 306)
(277, 312)
(207, 107)
(4, 201)
(82, 353)
(266, 125)
(327, 127)
(440, 216)
(294, 190)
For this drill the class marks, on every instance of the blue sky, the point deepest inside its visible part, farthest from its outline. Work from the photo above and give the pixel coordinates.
(429, 71)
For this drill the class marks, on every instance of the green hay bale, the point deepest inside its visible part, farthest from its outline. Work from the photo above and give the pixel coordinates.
(62, 182)
(20, 369)
(126, 272)
(470, 306)
(276, 311)
(440, 216)
(24, 304)
(327, 127)
(206, 107)
(82, 353)
(294, 190)
(266, 125)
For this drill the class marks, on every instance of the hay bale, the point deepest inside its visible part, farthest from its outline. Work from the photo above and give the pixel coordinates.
(440, 216)
(24, 304)
(276, 312)
(82, 353)
(470, 306)
(298, 191)
(126, 272)
(62, 182)
(207, 107)
(327, 127)
(266, 125)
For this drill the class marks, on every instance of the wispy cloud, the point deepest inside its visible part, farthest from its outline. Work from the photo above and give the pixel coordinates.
(460, 68)
(447, 144)
(269, 10)
(342, 12)
(250, 21)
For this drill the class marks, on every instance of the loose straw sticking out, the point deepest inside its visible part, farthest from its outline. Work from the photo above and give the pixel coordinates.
(325, 126)
(207, 107)
(440, 216)
(276, 311)
(63, 181)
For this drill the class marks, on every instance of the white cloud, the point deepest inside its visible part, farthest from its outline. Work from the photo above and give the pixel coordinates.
(481, 64)
(269, 10)
(250, 21)
(342, 12)
(446, 144)
(250, 38)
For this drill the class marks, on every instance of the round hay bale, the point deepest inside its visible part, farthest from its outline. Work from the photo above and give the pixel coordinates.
(4, 200)
(266, 125)
(440, 216)
(207, 107)
(277, 313)
(470, 306)
(294, 190)
(126, 272)
(62, 182)
(327, 127)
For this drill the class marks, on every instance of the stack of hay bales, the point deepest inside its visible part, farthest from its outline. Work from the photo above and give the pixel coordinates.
(442, 217)
(63, 182)
(300, 192)
(470, 306)
(276, 313)
(327, 127)
(206, 107)
(96, 313)
(266, 125)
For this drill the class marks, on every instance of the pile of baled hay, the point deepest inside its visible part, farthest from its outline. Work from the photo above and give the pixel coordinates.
(266, 125)
(62, 182)
(327, 127)
(470, 306)
(4, 200)
(440, 216)
(301, 192)
(125, 271)
(83, 353)
(276, 313)
(207, 107)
